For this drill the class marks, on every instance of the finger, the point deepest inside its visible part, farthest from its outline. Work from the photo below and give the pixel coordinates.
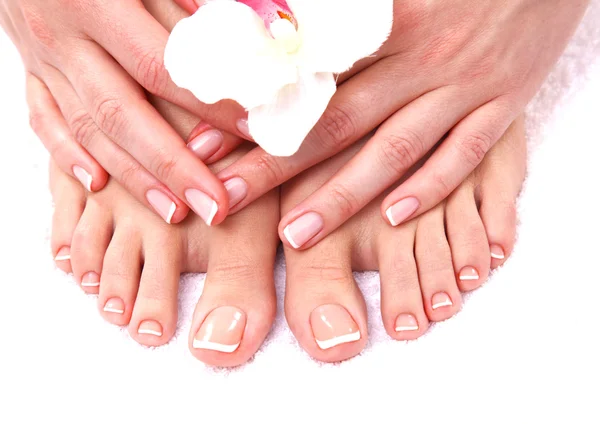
(50, 126)
(396, 146)
(124, 114)
(450, 165)
(189, 6)
(360, 105)
(130, 174)
(138, 44)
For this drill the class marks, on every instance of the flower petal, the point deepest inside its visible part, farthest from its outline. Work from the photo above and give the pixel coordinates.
(281, 127)
(338, 33)
(224, 51)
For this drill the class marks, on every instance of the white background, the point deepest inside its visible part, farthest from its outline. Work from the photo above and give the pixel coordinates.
(524, 348)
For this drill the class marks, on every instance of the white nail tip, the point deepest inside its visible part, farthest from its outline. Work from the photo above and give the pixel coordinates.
(84, 177)
(213, 211)
(468, 277)
(348, 338)
(390, 218)
(203, 344)
(288, 236)
(90, 284)
(113, 310)
(151, 332)
(63, 258)
(407, 328)
(497, 256)
(442, 304)
(171, 212)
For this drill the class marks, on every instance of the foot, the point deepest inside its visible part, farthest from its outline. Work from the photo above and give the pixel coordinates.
(132, 260)
(424, 264)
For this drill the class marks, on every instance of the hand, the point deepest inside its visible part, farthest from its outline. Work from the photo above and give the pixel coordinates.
(85, 61)
(461, 68)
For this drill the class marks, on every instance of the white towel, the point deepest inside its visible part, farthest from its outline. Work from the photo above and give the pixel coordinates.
(523, 349)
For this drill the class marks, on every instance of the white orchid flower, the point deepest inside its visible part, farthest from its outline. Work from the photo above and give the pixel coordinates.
(284, 75)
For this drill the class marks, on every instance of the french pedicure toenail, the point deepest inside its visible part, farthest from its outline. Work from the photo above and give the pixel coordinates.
(115, 306)
(496, 251)
(163, 205)
(150, 327)
(332, 325)
(222, 330)
(237, 190)
(242, 126)
(440, 300)
(91, 279)
(202, 204)
(401, 211)
(468, 273)
(206, 144)
(300, 231)
(64, 254)
(406, 322)
(84, 177)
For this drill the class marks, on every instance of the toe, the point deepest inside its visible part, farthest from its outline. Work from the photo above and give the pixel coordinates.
(324, 308)
(69, 201)
(467, 238)
(120, 276)
(441, 296)
(402, 308)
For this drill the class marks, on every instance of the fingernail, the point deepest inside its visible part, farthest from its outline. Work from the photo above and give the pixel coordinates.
(222, 330)
(401, 211)
(303, 229)
(64, 254)
(206, 144)
(439, 300)
(496, 251)
(406, 322)
(84, 177)
(237, 190)
(202, 204)
(468, 273)
(242, 126)
(91, 279)
(115, 305)
(162, 204)
(150, 327)
(332, 325)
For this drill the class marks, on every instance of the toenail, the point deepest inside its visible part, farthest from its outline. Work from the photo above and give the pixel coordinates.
(468, 273)
(406, 322)
(64, 254)
(439, 300)
(206, 144)
(115, 305)
(401, 211)
(332, 325)
(162, 204)
(202, 204)
(84, 177)
(150, 327)
(237, 190)
(303, 229)
(91, 279)
(222, 330)
(497, 251)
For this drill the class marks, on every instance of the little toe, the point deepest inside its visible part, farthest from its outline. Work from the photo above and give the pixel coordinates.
(441, 296)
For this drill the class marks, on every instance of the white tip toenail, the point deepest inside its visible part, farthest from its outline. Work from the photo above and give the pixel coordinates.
(288, 236)
(202, 344)
(388, 213)
(468, 277)
(92, 284)
(171, 212)
(348, 338)
(413, 328)
(495, 256)
(151, 332)
(213, 211)
(442, 304)
(84, 177)
(113, 310)
(63, 258)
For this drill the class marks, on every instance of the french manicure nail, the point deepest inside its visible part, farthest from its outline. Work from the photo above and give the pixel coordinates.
(202, 204)
(242, 126)
(206, 144)
(406, 322)
(91, 279)
(237, 190)
(84, 177)
(440, 300)
(468, 273)
(401, 211)
(300, 231)
(497, 252)
(162, 204)
(222, 330)
(150, 327)
(64, 254)
(332, 325)
(115, 306)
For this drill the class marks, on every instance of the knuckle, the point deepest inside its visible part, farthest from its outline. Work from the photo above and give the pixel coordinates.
(346, 203)
(270, 167)
(475, 146)
(336, 128)
(163, 166)
(128, 172)
(441, 187)
(400, 151)
(37, 121)
(38, 26)
(82, 127)
(108, 113)
(325, 275)
(150, 72)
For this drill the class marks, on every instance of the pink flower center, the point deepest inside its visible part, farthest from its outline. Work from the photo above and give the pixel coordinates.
(271, 10)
